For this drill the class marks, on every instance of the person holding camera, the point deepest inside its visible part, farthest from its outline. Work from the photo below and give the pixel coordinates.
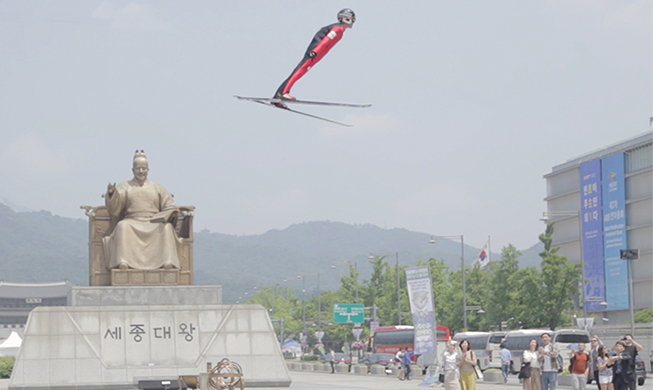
(622, 372)
(632, 347)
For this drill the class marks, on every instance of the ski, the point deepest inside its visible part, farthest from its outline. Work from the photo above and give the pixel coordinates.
(306, 102)
(267, 102)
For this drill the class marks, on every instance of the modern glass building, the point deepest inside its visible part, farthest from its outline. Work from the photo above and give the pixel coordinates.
(602, 203)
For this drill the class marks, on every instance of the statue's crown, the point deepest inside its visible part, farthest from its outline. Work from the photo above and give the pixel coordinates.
(139, 154)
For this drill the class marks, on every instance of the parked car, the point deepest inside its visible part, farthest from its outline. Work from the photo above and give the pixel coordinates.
(385, 359)
(640, 367)
(338, 358)
(378, 358)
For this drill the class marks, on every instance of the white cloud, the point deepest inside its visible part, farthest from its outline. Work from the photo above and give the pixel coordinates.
(132, 16)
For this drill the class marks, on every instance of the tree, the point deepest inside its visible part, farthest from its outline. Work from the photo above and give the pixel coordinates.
(559, 283)
(503, 287)
(281, 302)
(645, 316)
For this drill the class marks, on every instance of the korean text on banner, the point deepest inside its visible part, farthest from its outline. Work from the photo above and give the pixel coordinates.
(591, 220)
(418, 281)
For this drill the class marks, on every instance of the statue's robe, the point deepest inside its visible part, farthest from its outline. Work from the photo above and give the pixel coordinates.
(137, 241)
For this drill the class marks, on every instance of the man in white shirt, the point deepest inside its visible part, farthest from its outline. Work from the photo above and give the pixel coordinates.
(549, 363)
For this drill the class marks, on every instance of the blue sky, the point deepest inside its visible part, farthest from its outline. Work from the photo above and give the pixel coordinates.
(473, 102)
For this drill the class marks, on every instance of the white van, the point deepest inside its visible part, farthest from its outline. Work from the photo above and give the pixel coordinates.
(567, 339)
(517, 341)
(494, 345)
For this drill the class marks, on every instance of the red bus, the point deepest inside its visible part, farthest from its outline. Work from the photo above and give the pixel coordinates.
(388, 339)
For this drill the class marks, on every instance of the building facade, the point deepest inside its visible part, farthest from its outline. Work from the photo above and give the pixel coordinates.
(18, 299)
(602, 203)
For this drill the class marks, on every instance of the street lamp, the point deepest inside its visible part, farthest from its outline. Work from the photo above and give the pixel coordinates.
(286, 280)
(397, 271)
(551, 216)
(350, 263)
(302, 276)
(462, 264)
(245, 296)
(630, 255)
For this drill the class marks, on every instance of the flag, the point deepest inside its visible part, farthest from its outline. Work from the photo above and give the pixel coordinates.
(483, 258)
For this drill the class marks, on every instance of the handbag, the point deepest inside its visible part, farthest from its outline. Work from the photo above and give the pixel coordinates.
(525, 370)
(478, 372)
(441, 377)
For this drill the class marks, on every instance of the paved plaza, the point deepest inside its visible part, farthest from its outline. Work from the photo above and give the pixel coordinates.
(326, 381)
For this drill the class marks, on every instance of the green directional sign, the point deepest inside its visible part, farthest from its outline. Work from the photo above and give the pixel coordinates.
(344, 313)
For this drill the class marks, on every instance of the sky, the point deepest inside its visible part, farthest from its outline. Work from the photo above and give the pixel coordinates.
(472, 103)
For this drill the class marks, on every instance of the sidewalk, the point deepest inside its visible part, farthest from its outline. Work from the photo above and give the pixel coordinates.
(325, 381)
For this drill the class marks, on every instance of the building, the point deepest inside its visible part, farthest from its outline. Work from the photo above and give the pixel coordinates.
(18, 299)
(602, 203)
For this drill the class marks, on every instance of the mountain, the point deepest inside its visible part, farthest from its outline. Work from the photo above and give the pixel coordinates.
(42, 247)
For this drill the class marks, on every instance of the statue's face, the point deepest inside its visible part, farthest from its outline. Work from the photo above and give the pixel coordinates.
(140, 170)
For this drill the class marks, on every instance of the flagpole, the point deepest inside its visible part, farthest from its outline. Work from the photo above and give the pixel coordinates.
(489, 249)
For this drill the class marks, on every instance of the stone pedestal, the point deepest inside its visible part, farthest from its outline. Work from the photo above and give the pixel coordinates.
(145, 295)
(112, 337)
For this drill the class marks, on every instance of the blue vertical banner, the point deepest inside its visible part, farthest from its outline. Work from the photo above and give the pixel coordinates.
(614, 231)
(592, 234)
(420, 294)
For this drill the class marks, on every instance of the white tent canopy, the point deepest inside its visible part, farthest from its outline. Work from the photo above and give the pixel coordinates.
(11, 346)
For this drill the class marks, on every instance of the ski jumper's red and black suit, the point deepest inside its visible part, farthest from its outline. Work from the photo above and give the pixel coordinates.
(322, 42)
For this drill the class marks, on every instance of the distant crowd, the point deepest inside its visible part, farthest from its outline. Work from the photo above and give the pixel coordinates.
(611, 368)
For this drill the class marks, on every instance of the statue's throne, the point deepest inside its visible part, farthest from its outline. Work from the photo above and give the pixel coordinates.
(101, 224)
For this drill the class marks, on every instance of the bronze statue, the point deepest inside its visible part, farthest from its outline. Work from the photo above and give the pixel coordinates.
(143, 238)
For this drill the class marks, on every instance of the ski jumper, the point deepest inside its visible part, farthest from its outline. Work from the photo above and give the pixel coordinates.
(322, 42)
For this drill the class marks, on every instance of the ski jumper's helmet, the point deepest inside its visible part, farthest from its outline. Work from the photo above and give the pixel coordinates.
(346, 16)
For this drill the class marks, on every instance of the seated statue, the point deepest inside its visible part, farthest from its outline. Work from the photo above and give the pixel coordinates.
(144, 238)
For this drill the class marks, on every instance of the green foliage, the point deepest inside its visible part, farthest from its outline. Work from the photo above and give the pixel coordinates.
(645, 316)
(559, 283)
(308, 358)
(6, 366)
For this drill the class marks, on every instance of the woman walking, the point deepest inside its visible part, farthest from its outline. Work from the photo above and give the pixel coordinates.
(605, 372)
(450, 358)
(534, 382)
(466, 365)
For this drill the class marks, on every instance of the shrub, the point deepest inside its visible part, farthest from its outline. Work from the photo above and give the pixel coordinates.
(6, 365)
(309, 358)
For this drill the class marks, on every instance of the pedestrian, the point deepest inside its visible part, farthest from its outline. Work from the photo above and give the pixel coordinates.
(332, 360)
(622, 376)
(322, 42)
(604, 371)
(548, 356)
(406, 363)
(506, 359)
(450, 358)
(595, 346)
(531, 355)
(399, 358)
(579, 367)
(466, 366)
(632, 348)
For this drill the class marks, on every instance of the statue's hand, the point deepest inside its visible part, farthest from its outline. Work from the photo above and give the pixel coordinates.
(111, 188)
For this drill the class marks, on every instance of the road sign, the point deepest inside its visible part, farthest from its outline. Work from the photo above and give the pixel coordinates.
(344, 313)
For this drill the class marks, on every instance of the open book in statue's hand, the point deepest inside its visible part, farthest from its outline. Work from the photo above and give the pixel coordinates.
(165, 216)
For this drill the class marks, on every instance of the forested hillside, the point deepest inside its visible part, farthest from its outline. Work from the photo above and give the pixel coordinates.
(41, 247)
